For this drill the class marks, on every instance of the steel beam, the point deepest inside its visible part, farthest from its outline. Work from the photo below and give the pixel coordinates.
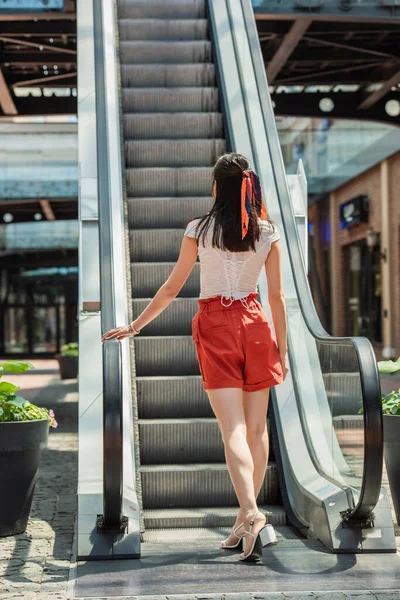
(29, 82)
(37, 58)
(286, 48)
(39, 28)
(379, 94)
(344, 106)
(6, 100)
(285, 10)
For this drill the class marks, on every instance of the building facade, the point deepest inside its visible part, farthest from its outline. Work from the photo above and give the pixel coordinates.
(355, 240)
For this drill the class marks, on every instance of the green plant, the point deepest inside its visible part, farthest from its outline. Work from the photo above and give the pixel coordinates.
(70, 349)
(391, 401)
(14, 407)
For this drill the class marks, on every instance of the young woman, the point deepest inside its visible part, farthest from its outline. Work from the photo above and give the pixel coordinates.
(239, 359)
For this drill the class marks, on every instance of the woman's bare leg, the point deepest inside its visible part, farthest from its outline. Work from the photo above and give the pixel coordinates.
(255, 406)
(227, 404)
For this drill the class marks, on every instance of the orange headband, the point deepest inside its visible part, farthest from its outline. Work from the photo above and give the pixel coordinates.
(251, 194)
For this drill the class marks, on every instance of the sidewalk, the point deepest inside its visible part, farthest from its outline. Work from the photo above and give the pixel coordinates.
(35, 565)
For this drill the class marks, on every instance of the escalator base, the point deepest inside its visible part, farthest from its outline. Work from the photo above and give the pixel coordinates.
(194, 566)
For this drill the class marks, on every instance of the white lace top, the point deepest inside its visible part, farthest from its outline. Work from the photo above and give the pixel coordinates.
(233, 275)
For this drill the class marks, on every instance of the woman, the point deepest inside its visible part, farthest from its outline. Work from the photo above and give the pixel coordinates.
(239, 359)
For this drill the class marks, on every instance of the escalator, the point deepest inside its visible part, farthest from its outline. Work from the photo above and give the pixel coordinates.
(173, 134)
(192, 86)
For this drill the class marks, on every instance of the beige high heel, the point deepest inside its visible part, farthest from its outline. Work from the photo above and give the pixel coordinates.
(234, 530)
(265, 537)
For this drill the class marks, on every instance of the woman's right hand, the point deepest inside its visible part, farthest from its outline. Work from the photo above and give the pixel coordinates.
(285, 364)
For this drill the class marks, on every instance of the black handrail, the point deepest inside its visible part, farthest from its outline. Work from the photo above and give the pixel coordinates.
(112, 359)
(370, 384)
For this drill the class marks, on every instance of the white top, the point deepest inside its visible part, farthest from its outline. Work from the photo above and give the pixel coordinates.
(233, 275)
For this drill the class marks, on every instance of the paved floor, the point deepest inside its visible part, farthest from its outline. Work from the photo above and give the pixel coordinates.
(35, 565)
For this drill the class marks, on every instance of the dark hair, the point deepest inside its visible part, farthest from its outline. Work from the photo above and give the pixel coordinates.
(227, 175)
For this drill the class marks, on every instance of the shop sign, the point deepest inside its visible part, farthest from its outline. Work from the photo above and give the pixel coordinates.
(354, 211)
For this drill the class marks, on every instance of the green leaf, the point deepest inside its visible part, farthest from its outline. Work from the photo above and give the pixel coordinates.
(7, 387)
(1, 411)
(388, 366)
(16, 400)
(16, 366)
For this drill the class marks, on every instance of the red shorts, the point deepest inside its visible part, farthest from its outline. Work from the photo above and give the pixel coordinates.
(235, 346)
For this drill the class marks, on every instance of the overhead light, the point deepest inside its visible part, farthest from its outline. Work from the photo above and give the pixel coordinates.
(38, 216)
(8, 217)
(392, 108)
(326, 104)
(41, 48)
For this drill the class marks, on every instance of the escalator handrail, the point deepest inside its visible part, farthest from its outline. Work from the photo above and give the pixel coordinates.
(112, 361)
(369, 377)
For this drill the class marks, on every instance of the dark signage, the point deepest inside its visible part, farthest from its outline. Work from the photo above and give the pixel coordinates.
(354, 211)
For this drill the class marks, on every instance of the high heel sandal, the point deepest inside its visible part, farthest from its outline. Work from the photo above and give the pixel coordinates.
(234, 530)
(265, 537)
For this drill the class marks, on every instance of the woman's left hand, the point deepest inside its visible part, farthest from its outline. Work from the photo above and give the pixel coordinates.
(119, 332)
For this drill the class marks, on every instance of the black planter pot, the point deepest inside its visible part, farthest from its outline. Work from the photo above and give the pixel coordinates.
(68, 366)
(391, 438)
(21, 444)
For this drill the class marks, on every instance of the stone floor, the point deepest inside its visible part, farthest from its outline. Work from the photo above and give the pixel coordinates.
(36, 565)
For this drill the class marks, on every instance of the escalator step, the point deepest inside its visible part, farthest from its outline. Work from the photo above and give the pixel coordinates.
(175, 212)
(167, 396)
(207, 517)
(162, 9)
(147, 126)
(173, 153)
(148, 277)
(180, 441)
(155, 245)
(193, 181)
(176, 319)
(170, 100)
(163, 29)
(165, 355)
(196, 75)
(207, 484)
(165, 52)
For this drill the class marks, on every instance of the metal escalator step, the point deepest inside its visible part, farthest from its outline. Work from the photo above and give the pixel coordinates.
(192, 181)
(207, 517)
(161, 9)
(155, 245)
(173, 153)
(147, 278)
(147, 126)
(163, 29)
(208, 484)
(166, 355)
(176, 319)
(174, 100)
(180, 440)
(172, 396)
(144, 213)
(165, 52)
(198, 75)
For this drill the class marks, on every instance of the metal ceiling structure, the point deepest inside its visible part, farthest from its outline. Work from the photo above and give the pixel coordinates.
(38, 58)
(332, 58)
(324, 58)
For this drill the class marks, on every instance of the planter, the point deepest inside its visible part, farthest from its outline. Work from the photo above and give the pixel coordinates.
(21, 444)
(391, 438)
(68, 366)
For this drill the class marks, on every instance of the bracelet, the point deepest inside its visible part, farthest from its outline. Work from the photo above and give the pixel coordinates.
(133, 330)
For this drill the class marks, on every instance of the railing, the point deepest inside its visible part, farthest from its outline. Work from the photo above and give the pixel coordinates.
(332, 353)
(112, 518)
